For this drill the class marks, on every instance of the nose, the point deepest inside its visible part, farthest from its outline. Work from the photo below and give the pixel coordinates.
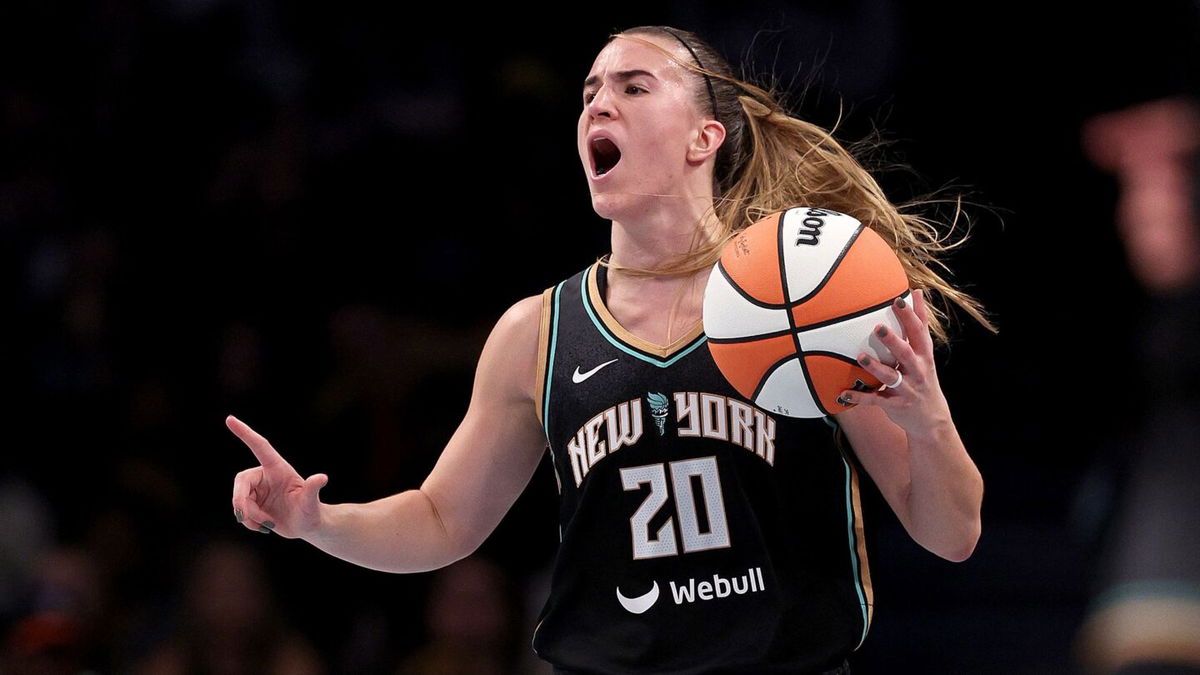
(601, 104)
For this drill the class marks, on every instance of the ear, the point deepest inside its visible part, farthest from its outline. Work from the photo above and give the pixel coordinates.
(706, 142)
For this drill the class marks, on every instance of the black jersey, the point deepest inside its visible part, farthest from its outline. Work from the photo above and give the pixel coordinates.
(699, 533)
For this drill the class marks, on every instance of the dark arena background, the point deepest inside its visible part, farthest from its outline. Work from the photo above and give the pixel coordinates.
(311, 215)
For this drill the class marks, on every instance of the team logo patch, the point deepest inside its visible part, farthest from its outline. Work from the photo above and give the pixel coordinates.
(658, 410)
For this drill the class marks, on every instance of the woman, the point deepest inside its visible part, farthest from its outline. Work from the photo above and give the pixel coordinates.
(698, 534)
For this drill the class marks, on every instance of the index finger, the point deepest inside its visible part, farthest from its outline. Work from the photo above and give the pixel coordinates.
(266, 455)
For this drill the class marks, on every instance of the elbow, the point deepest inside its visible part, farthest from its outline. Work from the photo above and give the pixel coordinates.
(964, 546)
(451, 543)
(463, 547)
(959, 555)
(459, 542)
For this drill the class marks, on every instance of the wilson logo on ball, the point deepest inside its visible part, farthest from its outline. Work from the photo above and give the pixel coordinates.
(810, 227)
(793, 302)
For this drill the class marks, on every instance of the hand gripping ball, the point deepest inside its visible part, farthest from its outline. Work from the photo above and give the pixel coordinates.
(792, 303)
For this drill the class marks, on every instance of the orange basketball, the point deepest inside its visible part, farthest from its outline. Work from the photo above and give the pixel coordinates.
(792, 303)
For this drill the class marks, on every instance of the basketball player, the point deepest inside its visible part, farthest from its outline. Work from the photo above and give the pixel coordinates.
(698, 533)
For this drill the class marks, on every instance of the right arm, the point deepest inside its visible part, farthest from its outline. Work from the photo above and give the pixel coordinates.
(481, 472)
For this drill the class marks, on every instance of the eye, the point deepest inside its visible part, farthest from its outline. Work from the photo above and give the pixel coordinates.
(633, 89)
(588, 96)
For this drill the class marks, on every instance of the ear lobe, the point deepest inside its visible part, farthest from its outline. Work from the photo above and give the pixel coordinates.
(706, 142)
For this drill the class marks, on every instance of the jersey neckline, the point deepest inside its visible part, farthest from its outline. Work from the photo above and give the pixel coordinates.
(594, 300)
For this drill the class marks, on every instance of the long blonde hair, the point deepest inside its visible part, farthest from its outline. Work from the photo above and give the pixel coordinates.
(771, 161)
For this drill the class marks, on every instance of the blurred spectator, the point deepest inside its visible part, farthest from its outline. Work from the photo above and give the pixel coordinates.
(228, 622)
(45, 643)
(471, 618)
(26, 534)
(64, 629)
(1146, 619)
(1151, 148)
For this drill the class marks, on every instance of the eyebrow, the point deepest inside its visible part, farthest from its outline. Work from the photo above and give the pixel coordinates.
(620, 76)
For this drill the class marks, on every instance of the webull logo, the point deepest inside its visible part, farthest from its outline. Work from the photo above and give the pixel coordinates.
(693, 591)
(750, 582)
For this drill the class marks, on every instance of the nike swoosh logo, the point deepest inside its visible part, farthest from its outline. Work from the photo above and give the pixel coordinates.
(578, 377)
(641, 603)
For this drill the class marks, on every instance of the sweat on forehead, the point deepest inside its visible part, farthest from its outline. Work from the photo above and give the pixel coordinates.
(663, 43)
(639, 56)
(675, 44)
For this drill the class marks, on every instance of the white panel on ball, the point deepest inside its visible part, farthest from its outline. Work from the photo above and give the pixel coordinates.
(729, 315)
(786, 392)
(851, 337)
(813, 240)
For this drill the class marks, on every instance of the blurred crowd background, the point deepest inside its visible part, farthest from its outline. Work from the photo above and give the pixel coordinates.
(310, 216)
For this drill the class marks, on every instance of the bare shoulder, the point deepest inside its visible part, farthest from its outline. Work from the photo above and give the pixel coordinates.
(523, 318)
(509, 359)
(517, 330)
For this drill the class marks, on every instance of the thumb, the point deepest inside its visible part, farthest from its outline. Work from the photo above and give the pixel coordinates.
(313, 485)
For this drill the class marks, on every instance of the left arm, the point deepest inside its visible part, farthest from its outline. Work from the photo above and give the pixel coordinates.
(907, 441)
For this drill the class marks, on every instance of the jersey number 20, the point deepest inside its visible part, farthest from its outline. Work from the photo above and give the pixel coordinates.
(682, 474)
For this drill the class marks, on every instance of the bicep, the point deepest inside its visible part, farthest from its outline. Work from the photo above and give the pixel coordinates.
(881, 446)
(497, 446)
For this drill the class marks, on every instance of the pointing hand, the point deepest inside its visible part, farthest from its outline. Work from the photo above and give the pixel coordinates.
(272, 496)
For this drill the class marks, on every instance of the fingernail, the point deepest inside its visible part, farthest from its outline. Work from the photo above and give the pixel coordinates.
(864, 360)
(237, 513)
(268, 524)
(900, 303)
(845, 400)
(264, 529)
(881, 331)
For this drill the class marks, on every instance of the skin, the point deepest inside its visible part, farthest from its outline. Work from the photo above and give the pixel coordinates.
(660, 189)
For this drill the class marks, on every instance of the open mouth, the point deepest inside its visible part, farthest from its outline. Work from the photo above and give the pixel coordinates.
(605, 155)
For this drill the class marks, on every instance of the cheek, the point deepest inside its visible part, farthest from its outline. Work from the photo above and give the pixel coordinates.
(666, 141)
(579, 135)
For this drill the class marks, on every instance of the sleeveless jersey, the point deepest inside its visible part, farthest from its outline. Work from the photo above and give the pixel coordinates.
(699, 533)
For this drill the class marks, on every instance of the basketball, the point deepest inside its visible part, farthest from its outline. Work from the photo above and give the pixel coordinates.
(791, 304)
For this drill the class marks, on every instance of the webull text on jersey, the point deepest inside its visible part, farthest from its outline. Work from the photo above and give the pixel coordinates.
(719, 587)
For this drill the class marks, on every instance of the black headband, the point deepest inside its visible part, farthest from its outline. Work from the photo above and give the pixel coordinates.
(712, 95)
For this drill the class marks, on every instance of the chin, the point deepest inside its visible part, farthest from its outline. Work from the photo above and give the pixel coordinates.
(609, 206)
(620, 205)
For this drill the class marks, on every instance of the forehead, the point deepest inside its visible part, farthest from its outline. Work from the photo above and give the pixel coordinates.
(632, 53)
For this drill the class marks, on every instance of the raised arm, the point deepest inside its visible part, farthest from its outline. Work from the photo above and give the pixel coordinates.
(907, 441)
(481, 472)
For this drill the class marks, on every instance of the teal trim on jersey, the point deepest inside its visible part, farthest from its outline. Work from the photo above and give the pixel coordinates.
(550, 364)
(858, 587)
(587, 306)
(854, 561)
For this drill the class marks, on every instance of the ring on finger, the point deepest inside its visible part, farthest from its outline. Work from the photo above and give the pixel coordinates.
(899, 379)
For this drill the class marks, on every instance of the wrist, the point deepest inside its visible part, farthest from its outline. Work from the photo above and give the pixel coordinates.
(934, 430)
(320, 531)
